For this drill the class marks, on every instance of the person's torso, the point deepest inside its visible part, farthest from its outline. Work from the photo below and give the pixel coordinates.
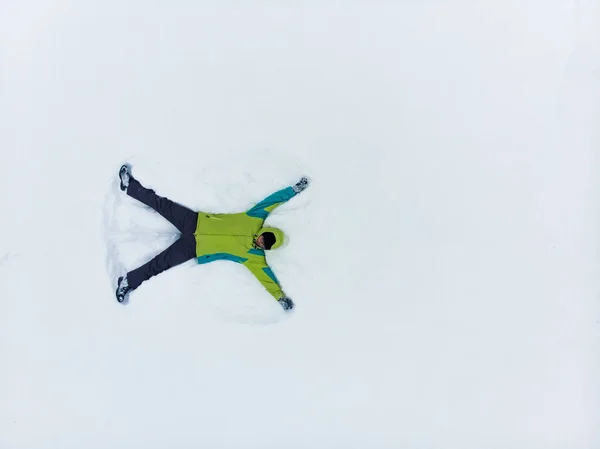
(225, 236)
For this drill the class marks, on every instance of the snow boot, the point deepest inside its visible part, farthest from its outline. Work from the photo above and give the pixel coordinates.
(125, 176)
(122, 289)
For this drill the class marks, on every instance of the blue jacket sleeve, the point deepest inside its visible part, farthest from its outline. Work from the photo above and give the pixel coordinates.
(264, 274)
(266, 206)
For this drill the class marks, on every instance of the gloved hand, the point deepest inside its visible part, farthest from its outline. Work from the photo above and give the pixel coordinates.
(301, 185)
(286, 303)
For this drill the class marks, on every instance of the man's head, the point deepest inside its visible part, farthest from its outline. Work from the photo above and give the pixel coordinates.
(269, 238)
(266, 240)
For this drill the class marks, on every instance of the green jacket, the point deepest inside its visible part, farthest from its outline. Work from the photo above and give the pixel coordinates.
(233, 236)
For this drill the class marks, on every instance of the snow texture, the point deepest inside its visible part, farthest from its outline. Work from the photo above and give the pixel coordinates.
(444, 261)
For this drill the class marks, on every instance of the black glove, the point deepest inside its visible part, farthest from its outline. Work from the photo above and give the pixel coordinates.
(286, 303)
(300, 185)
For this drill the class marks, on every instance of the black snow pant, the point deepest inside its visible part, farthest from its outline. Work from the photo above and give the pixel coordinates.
(184, 219)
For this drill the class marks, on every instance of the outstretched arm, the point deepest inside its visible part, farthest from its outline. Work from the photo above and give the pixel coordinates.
(267, 278)
(266, 206)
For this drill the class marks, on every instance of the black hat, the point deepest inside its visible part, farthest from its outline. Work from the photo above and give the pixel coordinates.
(269, 239)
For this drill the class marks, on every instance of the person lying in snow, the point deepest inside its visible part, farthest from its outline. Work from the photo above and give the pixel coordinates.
(208, 237)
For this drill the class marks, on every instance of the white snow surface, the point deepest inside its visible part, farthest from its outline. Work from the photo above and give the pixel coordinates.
(444, 261)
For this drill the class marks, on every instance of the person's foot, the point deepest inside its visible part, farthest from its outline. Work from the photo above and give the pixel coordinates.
(122, 289)
(125, 176)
